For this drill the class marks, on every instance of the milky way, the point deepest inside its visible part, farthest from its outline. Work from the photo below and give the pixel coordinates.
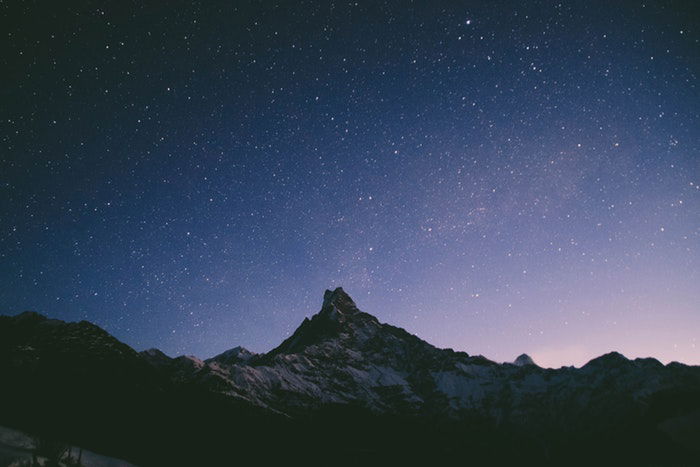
(497, 178)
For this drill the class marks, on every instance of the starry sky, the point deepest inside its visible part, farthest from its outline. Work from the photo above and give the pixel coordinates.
(495, 177)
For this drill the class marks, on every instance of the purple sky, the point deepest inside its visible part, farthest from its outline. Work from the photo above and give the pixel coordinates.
(495, 178)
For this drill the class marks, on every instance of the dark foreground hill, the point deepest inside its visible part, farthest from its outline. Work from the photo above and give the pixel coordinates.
(343, 389)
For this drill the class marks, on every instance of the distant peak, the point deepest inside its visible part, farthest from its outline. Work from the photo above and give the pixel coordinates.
(239, 352)
(339, 300)
(608, 359)
(613, 356)
(232, 356)
(154, 352)
(524, 360)
(155, 357)
(30, 316)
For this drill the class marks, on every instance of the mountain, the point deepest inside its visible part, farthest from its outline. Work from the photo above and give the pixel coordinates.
(75, 383)
(524, 360)
(363, 388)
(233, 356)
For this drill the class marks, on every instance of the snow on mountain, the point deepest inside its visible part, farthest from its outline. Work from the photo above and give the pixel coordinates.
(233, 356)
(342, 355)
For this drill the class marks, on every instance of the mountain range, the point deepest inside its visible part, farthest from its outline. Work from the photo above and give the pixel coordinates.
(344, 388)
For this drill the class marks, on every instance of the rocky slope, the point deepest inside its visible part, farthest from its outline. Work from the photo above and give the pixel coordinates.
(345, 358)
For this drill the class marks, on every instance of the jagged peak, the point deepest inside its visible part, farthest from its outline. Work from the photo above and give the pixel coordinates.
(337, 311)
(339, 300)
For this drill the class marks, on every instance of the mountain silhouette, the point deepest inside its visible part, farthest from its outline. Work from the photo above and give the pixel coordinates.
(368, 392)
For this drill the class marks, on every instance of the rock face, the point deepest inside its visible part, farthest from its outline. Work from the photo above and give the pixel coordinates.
(343, 357)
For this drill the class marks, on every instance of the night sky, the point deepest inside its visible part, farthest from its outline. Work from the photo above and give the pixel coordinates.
(495, 177)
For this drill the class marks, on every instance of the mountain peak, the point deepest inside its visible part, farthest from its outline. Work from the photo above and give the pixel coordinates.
(337, 310)
(232, 356)
(610, 359)
(339, 300)
(524, 360)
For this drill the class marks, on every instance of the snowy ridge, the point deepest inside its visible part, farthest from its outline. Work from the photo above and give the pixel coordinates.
(345, 356)
(342, 356)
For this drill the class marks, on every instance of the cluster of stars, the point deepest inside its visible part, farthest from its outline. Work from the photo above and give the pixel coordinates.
(501, 179)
